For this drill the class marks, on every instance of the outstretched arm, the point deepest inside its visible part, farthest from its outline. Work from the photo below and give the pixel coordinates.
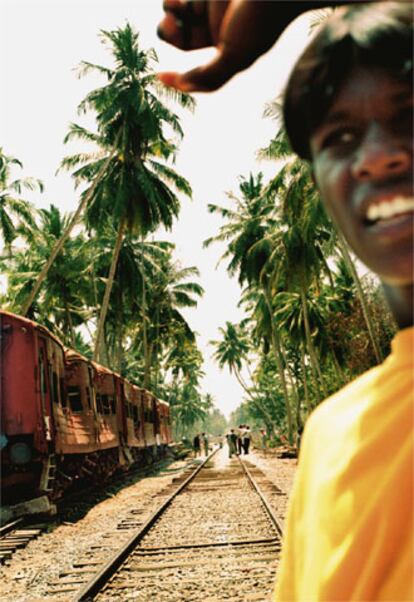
(241, 31)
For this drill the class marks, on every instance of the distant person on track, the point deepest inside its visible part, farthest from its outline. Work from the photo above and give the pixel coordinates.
(204, 440)
(232, 443)
(196, 445)
(240, 433)
(263, 440)
(348, 111)
(246, 438)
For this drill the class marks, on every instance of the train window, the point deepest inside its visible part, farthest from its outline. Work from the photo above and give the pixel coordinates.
(75, 399)
(106, 404)
(55, 388)
(62, 392)
(88, 397)
(135, 415)
(99, 403)
(113, 404)
(43, 386)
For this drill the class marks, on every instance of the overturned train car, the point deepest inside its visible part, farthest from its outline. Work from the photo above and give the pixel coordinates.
(65, 418)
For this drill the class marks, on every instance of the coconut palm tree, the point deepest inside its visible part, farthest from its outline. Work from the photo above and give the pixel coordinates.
(247, 226)
(126, 180)
(232, 351)
(301, 198)
(138, 261)
(65, 302)
(13, 209)
(169, 292)
(134, 192)
(245, 223)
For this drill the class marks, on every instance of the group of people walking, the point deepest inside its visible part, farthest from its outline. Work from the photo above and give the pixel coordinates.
(239, 440)
(198, 441)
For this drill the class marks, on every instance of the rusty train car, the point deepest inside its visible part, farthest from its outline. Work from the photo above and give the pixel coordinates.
(65, 418)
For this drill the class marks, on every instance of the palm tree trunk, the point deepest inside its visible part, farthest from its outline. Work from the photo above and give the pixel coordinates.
(59, 245)
(156, 348)
(108, 289)
(361, 295)
(305, 380)
(255, 401)
(293, 388)
(147, 364)
(338, 368)
(120, 335)
(70, 324)
(309, 343)
(278, 357)
(144, 320)
(328, 271)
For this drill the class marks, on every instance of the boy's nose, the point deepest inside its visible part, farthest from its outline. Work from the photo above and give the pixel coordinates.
(381, 156)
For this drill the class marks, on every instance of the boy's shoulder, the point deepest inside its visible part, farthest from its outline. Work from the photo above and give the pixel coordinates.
(375, 391)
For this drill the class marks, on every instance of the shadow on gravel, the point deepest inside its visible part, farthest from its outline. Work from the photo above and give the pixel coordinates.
(77, 505)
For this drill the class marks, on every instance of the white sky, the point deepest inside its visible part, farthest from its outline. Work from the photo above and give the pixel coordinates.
(40, 44)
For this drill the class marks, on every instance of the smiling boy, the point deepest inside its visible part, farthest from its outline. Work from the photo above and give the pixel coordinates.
(348, 110)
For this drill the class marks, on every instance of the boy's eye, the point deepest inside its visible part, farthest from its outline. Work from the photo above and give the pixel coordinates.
(339, 137)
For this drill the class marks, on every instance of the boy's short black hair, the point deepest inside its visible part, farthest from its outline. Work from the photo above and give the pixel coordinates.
(378, 34)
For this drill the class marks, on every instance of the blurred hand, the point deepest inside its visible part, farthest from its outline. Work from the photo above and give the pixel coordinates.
(241, 31)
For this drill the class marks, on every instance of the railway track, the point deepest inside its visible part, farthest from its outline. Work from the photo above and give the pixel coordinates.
(14, 535)
(215, 537)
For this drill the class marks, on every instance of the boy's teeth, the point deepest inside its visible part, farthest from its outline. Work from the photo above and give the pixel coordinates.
(388, 209)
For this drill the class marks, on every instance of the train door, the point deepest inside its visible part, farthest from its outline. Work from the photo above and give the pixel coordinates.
(91, 394)
(121, 409)
(44, 387)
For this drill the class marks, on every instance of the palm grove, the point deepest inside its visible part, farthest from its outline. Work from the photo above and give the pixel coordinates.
(101, 281)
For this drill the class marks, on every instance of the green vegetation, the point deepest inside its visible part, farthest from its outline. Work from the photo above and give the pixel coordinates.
(312, 324)
(111, 290)
(106, 288)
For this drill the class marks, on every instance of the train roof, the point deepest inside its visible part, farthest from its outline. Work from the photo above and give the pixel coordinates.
(32, 325)
(163, 403)
(74, 356)
(71, 355)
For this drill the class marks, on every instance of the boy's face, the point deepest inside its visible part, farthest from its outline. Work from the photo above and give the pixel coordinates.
(362, 160)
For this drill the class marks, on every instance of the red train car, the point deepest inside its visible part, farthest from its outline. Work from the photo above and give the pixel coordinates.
(150, 419)
(32, 385)
(134, 412)
(163, 413)
(64, 417)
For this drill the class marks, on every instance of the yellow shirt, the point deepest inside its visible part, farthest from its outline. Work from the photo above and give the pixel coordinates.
(349, 532)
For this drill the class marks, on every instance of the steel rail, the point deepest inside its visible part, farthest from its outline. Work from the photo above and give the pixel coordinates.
(199, 546)
(93, 586)
(10, 526)
(263, 498)
(114, 480)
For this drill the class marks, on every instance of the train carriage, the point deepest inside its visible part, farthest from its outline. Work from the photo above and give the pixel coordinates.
(77, 422)
(163, 412)
(64, 417)
(31, 386)
(134, 410)
(150, 418)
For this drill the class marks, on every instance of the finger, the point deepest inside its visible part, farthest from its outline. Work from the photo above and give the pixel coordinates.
(170, 29)
(205, 78)
(185, 24)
